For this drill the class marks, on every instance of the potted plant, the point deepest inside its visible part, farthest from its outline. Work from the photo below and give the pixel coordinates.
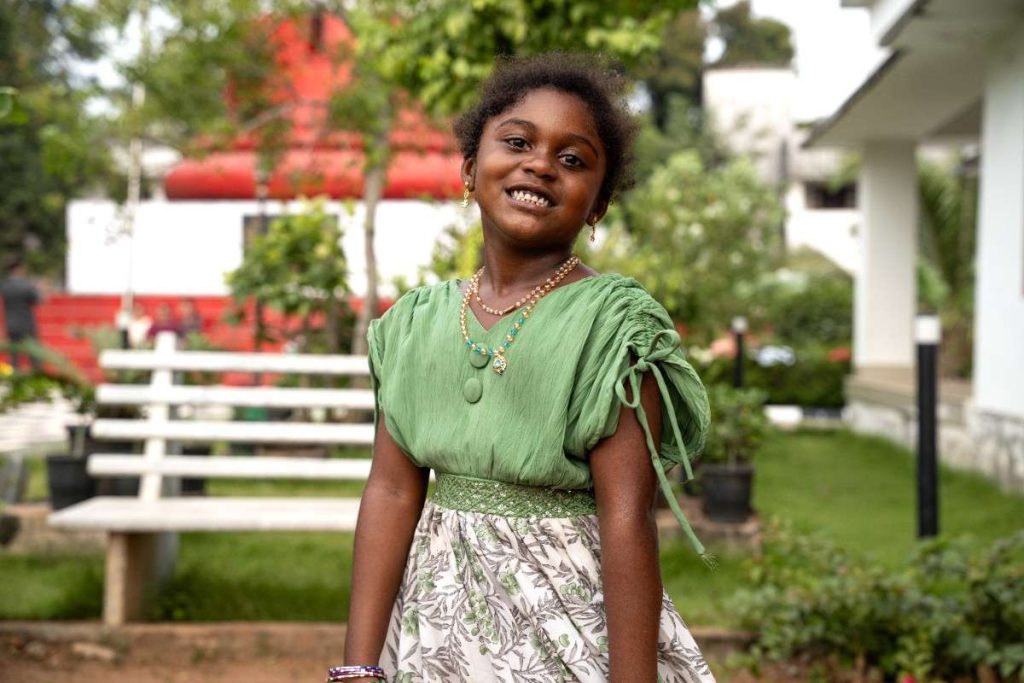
(67, 476)
(56, 376)
(738, 426)
(13, 478)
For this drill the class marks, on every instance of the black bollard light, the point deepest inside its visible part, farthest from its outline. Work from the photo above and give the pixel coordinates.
(739, 329)
(928, 332)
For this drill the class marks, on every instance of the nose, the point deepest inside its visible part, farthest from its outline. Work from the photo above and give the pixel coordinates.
(539, 164)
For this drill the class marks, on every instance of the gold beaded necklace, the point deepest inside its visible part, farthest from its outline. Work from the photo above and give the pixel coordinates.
(481, 353)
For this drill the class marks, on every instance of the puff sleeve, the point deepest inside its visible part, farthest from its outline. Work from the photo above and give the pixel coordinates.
(637, 336)
(375, 358)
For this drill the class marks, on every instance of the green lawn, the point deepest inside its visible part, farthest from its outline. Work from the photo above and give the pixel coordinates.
(857, 491)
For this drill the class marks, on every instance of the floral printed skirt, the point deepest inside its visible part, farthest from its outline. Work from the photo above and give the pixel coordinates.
(491, 597)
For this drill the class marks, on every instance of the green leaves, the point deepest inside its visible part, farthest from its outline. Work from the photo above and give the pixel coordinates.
(10, 112)
(701, 240)
(946, 614)
(298, 268)
(444, 49)
(738, 425)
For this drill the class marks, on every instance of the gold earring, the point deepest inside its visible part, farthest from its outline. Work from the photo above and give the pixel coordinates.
(593, 231)
(465, 197)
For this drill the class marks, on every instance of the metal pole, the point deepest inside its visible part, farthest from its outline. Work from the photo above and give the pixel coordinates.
(135, 173)
(739, 329)
(262, 190)
(928, 333)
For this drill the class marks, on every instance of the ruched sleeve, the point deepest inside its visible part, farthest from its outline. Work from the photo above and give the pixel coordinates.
(633, 337)
(375, 357)
(385, 337)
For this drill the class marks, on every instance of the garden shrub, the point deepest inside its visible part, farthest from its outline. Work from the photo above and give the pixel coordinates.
(738, 425)
(817, 312)
(813, 381)
(946, 615)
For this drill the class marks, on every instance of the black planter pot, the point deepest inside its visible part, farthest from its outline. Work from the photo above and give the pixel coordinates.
(81, 442)
(115, 486)
(9, 526)
(194, 486)
(726, 491)
(70, 483)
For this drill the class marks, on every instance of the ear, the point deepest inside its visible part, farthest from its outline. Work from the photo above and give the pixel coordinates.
(598, 212)
(469, 173)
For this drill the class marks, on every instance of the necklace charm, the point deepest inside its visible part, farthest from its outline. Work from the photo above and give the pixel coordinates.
(479, 354)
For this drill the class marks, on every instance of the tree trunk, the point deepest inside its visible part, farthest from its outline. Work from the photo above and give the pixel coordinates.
(331, 323)
(374, 188)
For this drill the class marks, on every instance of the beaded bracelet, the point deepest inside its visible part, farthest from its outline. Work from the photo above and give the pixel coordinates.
(344, 673)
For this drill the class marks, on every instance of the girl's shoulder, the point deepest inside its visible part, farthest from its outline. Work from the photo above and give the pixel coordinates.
(622, 298)
(418, 297)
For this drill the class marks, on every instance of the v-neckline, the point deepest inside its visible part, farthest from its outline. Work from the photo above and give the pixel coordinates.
(499, 321)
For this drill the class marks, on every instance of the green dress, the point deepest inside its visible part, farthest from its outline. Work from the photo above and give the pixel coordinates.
(509, 543)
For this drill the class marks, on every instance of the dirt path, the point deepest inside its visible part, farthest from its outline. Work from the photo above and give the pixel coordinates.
(32, 652)
(87, 652)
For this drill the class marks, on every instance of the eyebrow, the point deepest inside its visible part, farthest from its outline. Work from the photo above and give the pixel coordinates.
(533, 128)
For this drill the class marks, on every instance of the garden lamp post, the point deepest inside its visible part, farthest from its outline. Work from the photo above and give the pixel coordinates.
(928, 332)
(739, 329)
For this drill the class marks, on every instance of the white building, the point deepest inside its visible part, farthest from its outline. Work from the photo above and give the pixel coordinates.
(185, 248)
(954, 74)
(751, 109)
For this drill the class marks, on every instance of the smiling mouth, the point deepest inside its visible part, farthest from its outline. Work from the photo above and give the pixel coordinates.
(529, 198)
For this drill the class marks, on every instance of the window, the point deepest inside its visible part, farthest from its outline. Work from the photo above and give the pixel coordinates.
(820, 195)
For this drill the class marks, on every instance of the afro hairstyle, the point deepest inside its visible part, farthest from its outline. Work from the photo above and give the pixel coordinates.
(601, 90)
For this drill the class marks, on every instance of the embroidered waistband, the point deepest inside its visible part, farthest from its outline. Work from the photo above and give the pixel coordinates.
(510, 500)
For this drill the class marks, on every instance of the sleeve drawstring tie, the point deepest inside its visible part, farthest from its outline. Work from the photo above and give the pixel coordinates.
(648, 362)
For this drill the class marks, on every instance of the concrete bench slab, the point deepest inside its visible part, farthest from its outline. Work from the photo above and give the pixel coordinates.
(230, 467)
(131, 515)
(246, 432)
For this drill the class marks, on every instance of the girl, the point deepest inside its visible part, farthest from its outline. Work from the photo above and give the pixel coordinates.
(541, 394)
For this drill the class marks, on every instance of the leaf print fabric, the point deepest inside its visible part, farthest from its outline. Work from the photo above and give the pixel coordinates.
(513, 599)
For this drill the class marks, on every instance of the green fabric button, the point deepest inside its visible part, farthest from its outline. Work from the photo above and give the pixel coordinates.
(473, 390)
(478, 360)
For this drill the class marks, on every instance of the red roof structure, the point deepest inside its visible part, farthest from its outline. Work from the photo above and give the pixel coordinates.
(319, 161)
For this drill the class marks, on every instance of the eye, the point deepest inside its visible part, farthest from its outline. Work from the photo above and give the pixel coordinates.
(516, 142)
(572, 161)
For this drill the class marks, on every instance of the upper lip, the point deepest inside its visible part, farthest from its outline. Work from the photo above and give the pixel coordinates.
(539, 191)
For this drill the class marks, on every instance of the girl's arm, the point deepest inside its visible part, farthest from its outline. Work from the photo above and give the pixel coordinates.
(390, 508)
(625, 485)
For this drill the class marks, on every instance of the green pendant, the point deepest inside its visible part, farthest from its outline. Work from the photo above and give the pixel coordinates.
(499, 364)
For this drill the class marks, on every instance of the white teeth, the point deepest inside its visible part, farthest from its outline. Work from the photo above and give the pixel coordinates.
(527, 196)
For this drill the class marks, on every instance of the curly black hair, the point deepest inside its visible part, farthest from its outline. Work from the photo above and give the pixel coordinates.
(600, 88)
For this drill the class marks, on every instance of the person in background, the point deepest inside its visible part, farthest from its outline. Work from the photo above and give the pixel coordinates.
(191, 321)
(138, 328)
(20, 298)
(166, 321)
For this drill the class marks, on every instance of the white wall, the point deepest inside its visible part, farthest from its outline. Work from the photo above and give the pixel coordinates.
(999, 314)
(885, 291)
(751, 110)
(186, 247)
(832, 232)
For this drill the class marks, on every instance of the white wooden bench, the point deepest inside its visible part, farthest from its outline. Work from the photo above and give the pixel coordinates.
(142, 530)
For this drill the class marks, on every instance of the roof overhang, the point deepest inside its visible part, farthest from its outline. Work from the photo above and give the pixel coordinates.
(930, 86)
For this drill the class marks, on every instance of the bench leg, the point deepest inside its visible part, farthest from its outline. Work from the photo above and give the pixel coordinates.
(136, 565)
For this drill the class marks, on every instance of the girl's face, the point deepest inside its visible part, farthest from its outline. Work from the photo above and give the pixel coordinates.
(538, 170)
